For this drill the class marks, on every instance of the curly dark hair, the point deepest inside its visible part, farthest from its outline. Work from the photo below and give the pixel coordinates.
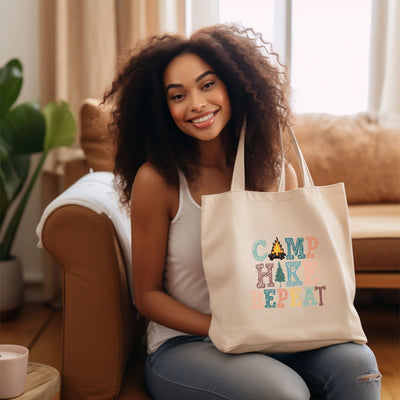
(145, 131)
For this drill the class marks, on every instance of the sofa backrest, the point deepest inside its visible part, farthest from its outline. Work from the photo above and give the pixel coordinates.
(96, 141)
(353, 149)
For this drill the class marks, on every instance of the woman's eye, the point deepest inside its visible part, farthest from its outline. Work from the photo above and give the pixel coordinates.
(177, 97)
(208, 85)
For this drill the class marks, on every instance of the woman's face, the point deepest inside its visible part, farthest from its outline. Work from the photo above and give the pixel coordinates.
(197, 99)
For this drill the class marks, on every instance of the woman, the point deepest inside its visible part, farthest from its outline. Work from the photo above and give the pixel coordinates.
(179, 107)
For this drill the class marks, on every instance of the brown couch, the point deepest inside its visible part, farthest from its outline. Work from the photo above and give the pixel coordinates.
(103, 347)
(365, 155)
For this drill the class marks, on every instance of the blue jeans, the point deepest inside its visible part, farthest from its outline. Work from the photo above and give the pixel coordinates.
(192, 368)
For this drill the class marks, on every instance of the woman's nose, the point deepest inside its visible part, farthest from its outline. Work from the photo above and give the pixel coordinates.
(198, 102)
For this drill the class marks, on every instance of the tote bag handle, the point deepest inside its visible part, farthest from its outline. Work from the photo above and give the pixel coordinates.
(238, 177)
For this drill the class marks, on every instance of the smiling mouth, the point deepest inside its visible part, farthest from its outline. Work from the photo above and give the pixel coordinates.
(203, 119)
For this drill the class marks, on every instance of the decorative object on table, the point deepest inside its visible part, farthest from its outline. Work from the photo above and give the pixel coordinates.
(25, 129)
(279, 265)
(13, 370)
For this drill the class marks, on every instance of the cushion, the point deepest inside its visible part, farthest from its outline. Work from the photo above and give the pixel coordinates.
(96, 141)
(375, 231)
(353, 149)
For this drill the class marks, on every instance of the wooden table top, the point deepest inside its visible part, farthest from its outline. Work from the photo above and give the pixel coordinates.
(42, 383)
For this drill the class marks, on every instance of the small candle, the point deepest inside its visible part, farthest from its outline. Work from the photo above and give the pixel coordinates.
(13, 369)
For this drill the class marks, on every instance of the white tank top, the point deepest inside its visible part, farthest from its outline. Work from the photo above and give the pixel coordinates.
(184, 278)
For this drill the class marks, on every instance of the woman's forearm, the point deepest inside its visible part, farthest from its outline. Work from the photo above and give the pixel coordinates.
(160, 307)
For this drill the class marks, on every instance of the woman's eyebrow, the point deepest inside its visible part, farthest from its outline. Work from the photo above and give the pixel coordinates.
(203, 75)
(199, 78)
(173, 85)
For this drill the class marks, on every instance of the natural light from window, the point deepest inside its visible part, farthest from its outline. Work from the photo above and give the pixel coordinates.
(330, 49)
(256, 14)
(330, 55)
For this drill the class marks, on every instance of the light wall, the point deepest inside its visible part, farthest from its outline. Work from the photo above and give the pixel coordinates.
(19, 39)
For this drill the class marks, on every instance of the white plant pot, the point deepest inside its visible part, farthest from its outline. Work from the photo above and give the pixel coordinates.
(11, 288)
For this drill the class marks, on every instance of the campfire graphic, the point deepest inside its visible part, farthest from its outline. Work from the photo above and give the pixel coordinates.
(277, 251)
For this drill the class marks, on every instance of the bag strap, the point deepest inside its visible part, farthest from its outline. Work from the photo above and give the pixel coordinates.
(282, 177)
(238, 177)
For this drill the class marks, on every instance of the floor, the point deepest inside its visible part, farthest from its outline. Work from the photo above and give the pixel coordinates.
(39, 328)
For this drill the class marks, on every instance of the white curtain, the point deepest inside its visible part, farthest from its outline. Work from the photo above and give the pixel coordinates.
(384, 93)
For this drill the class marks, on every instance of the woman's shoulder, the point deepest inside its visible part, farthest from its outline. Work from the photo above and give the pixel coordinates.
(150, 189)
(150, 181)
(149, 175)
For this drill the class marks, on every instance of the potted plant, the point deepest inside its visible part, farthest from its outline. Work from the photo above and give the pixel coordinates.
(24, 129)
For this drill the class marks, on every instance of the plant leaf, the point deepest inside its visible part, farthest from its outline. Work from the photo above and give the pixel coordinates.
(13, 174)
(60, 125)
(23, 128)
(10, 84)
(5, 149)
(12, 227)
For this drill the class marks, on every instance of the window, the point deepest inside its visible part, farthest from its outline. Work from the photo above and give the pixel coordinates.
(257, 14)
(330, 55)
(328, 45)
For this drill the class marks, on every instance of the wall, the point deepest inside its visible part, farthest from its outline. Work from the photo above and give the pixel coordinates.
(19, 39)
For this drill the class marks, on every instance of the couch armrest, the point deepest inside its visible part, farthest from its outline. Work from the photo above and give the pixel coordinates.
(74, 170)
(100, 325)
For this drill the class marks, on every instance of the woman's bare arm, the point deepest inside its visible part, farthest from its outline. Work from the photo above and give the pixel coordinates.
(151, 210)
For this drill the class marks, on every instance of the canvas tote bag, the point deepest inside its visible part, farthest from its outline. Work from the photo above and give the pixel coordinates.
(279, 265)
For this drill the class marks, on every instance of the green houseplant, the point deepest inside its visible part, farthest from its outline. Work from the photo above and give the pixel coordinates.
(25, 129)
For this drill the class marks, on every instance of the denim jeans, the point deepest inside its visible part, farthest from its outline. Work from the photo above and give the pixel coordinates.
(192, 368)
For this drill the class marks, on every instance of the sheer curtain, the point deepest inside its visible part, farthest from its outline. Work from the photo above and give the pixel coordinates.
(80, 41)
(384, 95)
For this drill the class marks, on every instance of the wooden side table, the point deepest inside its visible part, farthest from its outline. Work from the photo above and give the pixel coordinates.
(42, 383)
